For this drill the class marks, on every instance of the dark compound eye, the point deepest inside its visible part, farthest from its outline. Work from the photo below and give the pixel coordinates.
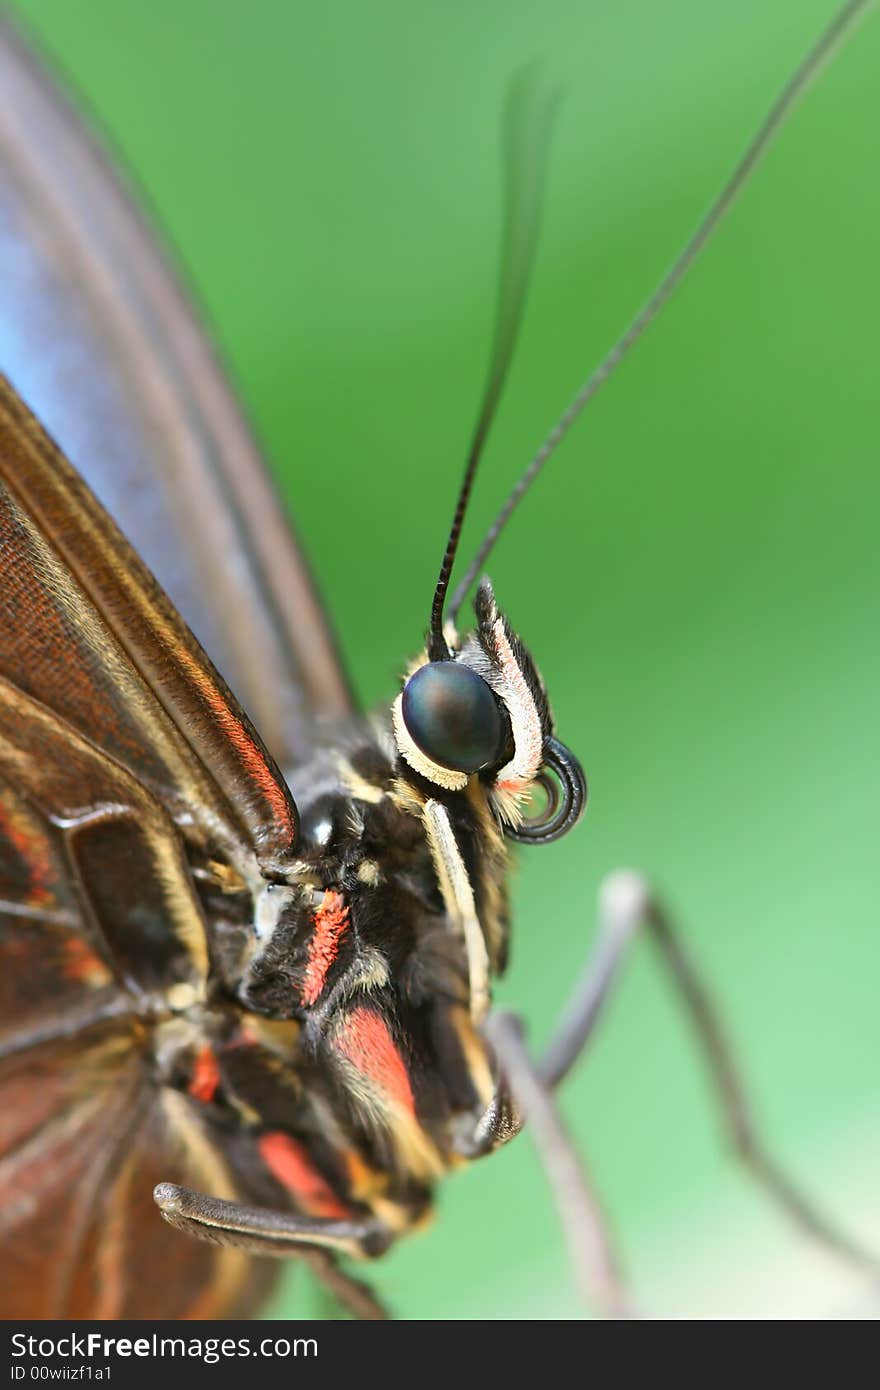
(454, 718)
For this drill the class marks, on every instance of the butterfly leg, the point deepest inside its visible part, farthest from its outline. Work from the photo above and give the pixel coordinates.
(262, 1231)
(626, 906)
(623, 901)
(355, 1296)
(585, 1223)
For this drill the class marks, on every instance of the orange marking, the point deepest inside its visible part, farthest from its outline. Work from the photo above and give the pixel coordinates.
(362, 1180)
(365, 1040)
(205, 1076)
(289, 1162)
(33, 852)
(81, 963)
(331, 922)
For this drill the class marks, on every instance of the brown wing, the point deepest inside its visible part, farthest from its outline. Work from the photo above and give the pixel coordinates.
(84, 1138)
(123, 756)
(97, 337)
(88, 633)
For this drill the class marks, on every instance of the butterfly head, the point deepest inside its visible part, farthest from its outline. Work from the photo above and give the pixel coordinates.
(482, 712)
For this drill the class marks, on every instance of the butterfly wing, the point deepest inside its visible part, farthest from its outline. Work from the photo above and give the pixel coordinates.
(84, 1137)
(97, 337)
(124, 759)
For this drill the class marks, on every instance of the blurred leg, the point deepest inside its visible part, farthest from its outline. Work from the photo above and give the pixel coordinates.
(584, 1221)
(626, 904)
(356, 1297)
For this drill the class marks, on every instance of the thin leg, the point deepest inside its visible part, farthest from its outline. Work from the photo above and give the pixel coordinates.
(354, 1295)
(584, 1221)
(262, 1231)
(625, 904)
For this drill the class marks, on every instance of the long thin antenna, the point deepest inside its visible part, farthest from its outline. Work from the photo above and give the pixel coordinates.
(529, 113)
(797, 84)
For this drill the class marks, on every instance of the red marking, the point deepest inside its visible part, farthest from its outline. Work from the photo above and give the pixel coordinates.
(289, 1162)
(205, 1076)
(251, 756)
(365, 1041)
(331, 922)
(81, 963)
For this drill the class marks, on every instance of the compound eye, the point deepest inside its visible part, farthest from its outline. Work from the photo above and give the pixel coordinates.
(452, 715)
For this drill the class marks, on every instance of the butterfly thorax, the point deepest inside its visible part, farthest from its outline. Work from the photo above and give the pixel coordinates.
(342, 1032)
(364, 969)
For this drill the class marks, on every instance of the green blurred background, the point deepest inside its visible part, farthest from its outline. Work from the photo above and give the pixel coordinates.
(697, 573)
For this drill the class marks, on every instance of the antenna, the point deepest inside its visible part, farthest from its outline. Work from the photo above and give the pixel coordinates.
(839, 29)
(528, 119)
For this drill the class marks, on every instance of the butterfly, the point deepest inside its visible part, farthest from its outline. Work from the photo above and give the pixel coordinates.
(248, 935)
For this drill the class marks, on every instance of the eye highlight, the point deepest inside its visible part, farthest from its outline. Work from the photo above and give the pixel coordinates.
(453, 717)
